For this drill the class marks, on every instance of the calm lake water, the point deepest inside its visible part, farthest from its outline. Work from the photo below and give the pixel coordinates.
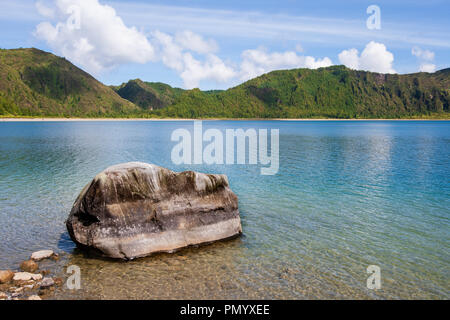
(348, 194)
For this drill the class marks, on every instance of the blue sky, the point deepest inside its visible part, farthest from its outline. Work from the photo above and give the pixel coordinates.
(218, 44)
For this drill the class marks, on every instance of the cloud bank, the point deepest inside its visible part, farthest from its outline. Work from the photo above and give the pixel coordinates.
(92, 35)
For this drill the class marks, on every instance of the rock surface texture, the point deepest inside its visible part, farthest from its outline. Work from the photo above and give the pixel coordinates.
(134, 209)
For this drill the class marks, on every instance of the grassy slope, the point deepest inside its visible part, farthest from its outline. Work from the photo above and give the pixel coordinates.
(37, 83)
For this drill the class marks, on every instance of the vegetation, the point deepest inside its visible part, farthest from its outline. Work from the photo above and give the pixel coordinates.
(36, 83)
(148, 95)
(334, 92)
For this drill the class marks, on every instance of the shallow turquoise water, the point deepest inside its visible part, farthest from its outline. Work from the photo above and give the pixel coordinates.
(348, 194)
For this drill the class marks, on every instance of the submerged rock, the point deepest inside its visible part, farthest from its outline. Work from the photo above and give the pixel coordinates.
(29, 266)
(134, 209)
(43, 254)
(22, 276)
(46, 282)
(36, 277)
(6, 276)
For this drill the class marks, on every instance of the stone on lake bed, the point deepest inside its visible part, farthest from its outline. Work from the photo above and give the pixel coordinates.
(29, 266)
(134, 209)
(42, 254)
(22, 276)
(6, 276)
(46, 282)
(26, 276)
(34, 297)
(36, 277)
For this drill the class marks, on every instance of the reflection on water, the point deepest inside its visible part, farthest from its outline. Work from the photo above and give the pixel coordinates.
(347, 195)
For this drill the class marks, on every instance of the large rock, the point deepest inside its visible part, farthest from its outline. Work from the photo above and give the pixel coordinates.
(134, 209)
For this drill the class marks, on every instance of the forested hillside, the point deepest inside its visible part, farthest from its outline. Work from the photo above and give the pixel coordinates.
(36, 83)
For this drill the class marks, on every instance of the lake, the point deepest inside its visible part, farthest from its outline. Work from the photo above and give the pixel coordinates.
(348, 194)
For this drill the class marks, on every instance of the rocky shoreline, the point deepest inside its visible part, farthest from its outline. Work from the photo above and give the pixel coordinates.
(28, 282)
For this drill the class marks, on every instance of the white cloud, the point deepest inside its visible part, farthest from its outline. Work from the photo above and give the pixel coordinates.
(169, 52)
(93, 36)
(299, 48)
(375, 57)
(44, 10)
(427, 67)
(192, 41)
(258, 61)
(174, 53)
(350, 58)
(213, 68)
(425, 57)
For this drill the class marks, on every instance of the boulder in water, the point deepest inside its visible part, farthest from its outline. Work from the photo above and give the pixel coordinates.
(134, 209)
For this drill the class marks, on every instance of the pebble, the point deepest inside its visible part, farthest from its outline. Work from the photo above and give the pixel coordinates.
(6, 276)
(3, 296)
(26, 276)
(18, 290)
(45, 272)
(58, 281)
(36, 277)
(34, 297)
(29, 266)
(22, 276)
(43, 254)
(47, 282)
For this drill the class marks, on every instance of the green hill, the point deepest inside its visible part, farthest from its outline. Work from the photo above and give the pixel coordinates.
(333, 92)
(37, 83)
(148, 95)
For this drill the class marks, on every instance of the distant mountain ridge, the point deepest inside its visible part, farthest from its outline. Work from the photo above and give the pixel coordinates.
(36, 83)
